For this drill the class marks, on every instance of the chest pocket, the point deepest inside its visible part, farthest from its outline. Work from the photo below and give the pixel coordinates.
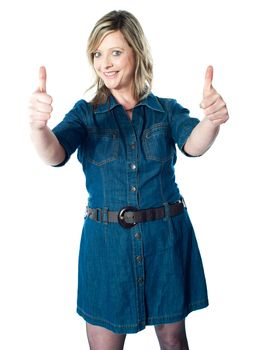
(102, 145)
(157, 143)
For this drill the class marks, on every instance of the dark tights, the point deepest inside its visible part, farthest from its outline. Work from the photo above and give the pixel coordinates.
(170, 337)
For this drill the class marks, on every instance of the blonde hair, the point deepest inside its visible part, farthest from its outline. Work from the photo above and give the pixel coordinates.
(133, 33)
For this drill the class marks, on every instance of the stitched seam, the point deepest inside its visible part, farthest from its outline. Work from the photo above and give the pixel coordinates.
(105, 321)
(190, 306)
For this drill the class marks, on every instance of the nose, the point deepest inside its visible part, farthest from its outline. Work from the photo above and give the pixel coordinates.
(107, 62)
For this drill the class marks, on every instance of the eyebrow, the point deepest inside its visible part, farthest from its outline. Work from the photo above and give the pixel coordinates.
(112, 48)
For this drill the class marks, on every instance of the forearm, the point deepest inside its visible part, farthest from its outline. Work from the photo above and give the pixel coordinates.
(47, 146)
(201, 138)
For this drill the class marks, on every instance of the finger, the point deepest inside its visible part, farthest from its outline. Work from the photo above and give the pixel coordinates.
(43, 108)
(42, 79)
(215, 107)
(41, 97)
(38, 106)
(208, 81)
(210, 100)
(221, 114)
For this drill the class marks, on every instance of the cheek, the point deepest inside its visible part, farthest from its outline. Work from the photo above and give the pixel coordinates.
(131, 65)
(96, 67)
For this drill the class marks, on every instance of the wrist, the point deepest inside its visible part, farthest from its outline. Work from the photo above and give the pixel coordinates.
(210, 124)
(35, 128)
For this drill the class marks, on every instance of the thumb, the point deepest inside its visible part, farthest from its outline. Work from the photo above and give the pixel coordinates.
(208, 81)
(42, 79)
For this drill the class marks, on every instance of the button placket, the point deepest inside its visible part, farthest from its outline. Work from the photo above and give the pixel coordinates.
(139, 267)
(132, 174)
(130, 133)
(132, 156)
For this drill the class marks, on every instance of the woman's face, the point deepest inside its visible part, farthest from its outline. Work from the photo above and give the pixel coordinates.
(114, 62)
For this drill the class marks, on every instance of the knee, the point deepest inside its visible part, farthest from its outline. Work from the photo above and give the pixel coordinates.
(101, 338)
(174, 343)
(171, 340)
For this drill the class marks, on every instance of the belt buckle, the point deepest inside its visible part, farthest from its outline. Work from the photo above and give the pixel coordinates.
(121, 218)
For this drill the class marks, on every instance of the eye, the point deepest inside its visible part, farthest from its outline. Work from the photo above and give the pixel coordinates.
(116, 53)
(96, 54)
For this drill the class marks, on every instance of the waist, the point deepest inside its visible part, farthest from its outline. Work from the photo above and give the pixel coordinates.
(130, 216)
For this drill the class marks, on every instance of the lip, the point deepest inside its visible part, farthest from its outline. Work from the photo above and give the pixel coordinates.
(111, 74)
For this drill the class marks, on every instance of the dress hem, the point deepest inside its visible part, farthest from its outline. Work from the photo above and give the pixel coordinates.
(137, 327)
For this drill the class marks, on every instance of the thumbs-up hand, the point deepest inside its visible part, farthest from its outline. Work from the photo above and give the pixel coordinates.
(40, 103)
(214, 107)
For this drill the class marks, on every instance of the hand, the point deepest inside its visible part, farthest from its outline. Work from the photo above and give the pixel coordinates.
(40, 103)
(214, 107)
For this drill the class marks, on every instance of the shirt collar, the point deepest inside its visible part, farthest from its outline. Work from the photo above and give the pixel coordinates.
(151, 101)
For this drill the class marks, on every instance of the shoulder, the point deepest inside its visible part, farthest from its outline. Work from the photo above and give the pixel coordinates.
(81, 110)
(82, 105)
(167, 103)
(173, 108)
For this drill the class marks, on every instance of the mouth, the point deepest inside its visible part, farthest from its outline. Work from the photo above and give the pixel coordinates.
(110, 74)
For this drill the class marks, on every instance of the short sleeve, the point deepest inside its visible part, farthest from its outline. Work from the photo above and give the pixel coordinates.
(71, 131)
(181, 124)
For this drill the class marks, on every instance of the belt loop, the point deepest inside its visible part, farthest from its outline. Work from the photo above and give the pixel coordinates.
(104, 216)
(98, 217)
(166, 211)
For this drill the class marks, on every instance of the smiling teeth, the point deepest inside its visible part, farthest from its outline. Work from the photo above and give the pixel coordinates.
(110, 74)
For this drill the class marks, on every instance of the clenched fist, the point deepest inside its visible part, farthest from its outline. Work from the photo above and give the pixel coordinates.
(40, 108)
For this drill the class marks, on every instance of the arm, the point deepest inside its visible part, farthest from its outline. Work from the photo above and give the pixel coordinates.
(216, 113)
(201, 138)
(47, 146)
(44, 140)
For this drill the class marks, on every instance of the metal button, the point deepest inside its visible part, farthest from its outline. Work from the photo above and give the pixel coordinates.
(132, 145)
(133, 189)
(139, 258)
(133, 166)
(137, 235)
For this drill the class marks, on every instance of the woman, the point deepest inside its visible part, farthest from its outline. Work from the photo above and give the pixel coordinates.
(139, 262)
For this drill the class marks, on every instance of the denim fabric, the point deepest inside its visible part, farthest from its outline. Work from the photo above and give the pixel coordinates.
(152, 273)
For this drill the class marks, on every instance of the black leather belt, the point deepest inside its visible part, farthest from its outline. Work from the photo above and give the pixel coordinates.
(130, 216)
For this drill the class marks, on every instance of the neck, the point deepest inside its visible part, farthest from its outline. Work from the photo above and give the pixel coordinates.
(125, 98)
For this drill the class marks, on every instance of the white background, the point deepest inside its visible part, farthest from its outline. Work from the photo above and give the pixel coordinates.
(42, 208)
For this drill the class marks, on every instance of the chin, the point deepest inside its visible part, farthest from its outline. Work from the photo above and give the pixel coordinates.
(113, 86)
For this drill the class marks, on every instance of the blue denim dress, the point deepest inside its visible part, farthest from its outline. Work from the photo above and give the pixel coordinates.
(151, 273)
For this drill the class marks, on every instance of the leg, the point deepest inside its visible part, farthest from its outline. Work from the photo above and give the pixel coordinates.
(172, 336)
(100, 338)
